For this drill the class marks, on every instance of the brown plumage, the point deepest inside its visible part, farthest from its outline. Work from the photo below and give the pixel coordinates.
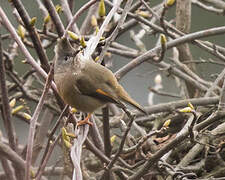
(84, 84)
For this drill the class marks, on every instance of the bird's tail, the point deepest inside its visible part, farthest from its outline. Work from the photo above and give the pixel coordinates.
(124, 96)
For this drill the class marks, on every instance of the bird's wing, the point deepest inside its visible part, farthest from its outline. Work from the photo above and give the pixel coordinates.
(100, 83)
(96, 87)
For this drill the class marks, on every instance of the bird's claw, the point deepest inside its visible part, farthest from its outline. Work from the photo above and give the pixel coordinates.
(85, 121)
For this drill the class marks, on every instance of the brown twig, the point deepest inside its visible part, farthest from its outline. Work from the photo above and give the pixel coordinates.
(33, 124)
(51, 148)
(78, 13)
(106, 132)
(163, 107)
(221, 105)
(85, 27)
(162, 18)
(151, 53)
(171, 34)
(95, 135)
(42, 130)
(11, 155)
(90, 146)
(8, 169)
(153, 159)
(51, 134)
(7, 120)
(6, 111)
(208, 8)
(69, 16)
(26, 53)
(131, 118)
(163, 93)
(116, 30)
(55, 17)
(33, 34)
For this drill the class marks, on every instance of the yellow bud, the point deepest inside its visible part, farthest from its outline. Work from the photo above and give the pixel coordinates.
(97, 58)
(112, 139)
(186, 110)
(66, 138)
(170, 2)
(163, 39)
(94, 22)
(82, 42)
(191, 106)
(64, 134)
(96, 30)
(33, 21)
(24, 61)
(102, 38)
(21, 31)
(73, 110)
(12, 103)
(67, 144)
(73, 35)
(71, 135)
(26, 116)
(101, 8)
(32, 174)
(167, 123)
(17, 109)
(58, 8)
(47, 19)
(144, 14)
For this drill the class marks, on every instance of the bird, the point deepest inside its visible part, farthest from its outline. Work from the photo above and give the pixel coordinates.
(84, 84)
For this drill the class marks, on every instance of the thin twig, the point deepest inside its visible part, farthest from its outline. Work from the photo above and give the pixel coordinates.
(69, 16)
(163, 93)
(24, 50)
(33, 124)
(95, 135)
(85, 27)
(106, 132)
(33, 34)
(131, 117)
(26, 53)
(78, 13)
(92, 43)
(149, 55)
(6, 166)
(7, 120)
(90, 146)
(221, 105)
(162, 17)
(163, 107)
(50, 138)
(8, 153)
(116, 30)
(55, 17)
(215, 84)
(51, 148)
(42, 130)
(154, 158)
(6, 111)
(217, 10)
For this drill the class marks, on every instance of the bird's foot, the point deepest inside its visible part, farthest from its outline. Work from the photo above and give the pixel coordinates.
(85, 121)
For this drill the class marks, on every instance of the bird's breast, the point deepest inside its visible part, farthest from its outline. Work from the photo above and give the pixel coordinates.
(66, 85)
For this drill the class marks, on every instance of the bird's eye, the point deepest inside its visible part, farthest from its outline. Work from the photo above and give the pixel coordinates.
(66, 58)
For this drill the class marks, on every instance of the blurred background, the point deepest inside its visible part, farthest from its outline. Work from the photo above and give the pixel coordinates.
(141, 78)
